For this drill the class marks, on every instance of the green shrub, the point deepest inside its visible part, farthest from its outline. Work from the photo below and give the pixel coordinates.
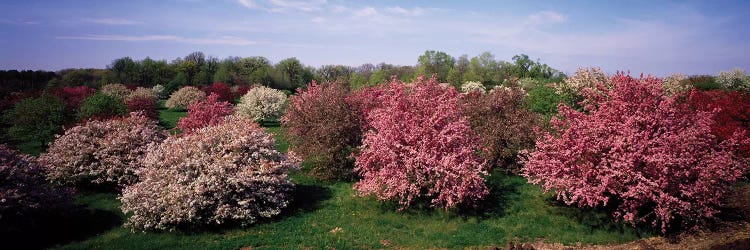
(704, 82)
(36, 119)
(101, 106)
(543, 100)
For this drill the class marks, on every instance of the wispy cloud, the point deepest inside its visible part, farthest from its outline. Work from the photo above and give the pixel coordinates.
(366, 12)
(112, 21)
(545, 17)
(281, 6)
(20, 22)
(306, 6)
(416, 11)
(222, 40)
(248, 4)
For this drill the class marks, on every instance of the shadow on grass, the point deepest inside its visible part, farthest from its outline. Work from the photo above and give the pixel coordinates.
(502, 191)
(44, 231)
(600, 218)
(305, 198)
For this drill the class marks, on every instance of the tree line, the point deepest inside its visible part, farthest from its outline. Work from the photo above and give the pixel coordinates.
(197, 69)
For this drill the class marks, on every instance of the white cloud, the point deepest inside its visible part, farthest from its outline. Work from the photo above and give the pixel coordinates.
(222, 40)
(545, 17)
(248, 3)
(112, 21)
(306, 6)
(318, 20)
(339, 9)
(367, 12)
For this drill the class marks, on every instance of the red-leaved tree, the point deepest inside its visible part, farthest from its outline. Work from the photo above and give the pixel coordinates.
(420, 145)
(503, 123)
(204, 113)
(222, 90)
(239, 90)
(144, 104)
(323, 129)
(74, 96)
(651, 156)
(733, 115)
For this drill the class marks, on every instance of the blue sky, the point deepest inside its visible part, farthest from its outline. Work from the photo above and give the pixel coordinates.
(656, 37)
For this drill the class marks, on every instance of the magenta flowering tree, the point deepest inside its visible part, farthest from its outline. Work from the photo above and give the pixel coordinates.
(639, 150)
(420, 145)
(204, 113)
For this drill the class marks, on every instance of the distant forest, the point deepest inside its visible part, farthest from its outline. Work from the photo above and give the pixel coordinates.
(197, 69)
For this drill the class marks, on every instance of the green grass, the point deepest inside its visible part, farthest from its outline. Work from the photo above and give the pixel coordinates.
(167, 117)
(515, 211)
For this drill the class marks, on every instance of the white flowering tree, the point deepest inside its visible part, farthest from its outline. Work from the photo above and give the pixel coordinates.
(230, 172)
(471, 86)
(262, 104)
(734, 79)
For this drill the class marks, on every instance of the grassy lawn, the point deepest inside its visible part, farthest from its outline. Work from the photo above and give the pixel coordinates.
(330, 215)
(167, 117)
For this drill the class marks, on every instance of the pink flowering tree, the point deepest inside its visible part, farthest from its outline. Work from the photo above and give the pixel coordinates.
(204, 113)
(650, 155)
(420, 146)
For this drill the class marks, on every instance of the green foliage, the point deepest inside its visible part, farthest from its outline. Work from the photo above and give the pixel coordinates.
(36, 119)
(436, 63)
(704, 82)
(101, 106)
(543, 100)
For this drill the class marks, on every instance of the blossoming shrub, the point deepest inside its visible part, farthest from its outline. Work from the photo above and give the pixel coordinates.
(144, 104)
(639, 151)
(322, 128)
(226, 173)
(141, 92)
(160, 91)
(503, 124)
(262, 104)
(116, 90)
(204, 113)
(736, 79)
(472, 86)
(222, 90)
(676, 84)
(572, 89)
(102, 151)
(420, 146)
(182, 98)
(24, 190)
(101, 106)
